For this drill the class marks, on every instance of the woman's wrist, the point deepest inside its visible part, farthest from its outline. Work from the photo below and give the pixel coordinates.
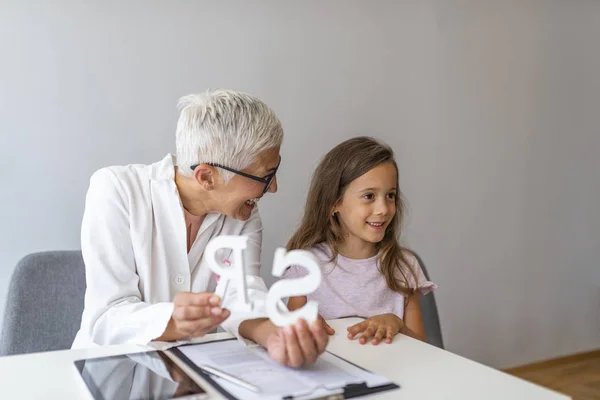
(170, 333)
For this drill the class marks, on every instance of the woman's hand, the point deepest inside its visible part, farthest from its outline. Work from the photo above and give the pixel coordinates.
(297, 302)
(377, 327)
(194, 314)
(330, 331)
(298, 345)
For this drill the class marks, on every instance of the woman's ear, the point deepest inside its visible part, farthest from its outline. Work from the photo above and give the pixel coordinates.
(206, 176)
(336, 206)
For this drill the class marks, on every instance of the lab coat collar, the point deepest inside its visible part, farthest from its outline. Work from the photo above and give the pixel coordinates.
(164, 169)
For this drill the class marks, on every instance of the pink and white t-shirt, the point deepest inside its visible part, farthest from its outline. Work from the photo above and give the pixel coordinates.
(356, 288)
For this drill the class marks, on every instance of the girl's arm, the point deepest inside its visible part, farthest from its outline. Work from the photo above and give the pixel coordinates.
(296, 302)
(413, 320)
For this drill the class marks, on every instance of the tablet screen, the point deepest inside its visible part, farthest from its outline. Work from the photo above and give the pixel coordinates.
(143, 376)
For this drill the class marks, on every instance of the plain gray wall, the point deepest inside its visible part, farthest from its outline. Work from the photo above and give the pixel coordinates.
(492, 108)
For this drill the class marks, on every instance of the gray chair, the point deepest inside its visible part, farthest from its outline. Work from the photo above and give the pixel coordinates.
(431, 318)
(44, 304)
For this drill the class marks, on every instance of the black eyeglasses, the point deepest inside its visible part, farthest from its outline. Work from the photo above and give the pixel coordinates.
(266, 180)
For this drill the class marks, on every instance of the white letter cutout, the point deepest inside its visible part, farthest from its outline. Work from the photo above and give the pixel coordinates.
(284, 288)
(293, 287)
(236, 271)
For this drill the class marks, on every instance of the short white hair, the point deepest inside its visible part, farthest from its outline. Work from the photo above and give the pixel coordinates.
(224, 127)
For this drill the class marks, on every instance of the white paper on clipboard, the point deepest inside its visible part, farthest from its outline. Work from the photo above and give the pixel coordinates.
(329, 375)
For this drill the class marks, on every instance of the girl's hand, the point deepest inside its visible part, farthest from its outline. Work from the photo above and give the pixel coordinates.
(377, 327)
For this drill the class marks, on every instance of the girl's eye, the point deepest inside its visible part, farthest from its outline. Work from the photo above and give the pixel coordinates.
(368, 196)
(391, 196)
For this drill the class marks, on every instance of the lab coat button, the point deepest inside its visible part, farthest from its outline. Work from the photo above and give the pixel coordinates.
(179, 280)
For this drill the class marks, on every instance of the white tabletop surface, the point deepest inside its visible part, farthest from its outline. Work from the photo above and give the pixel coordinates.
(422, 371)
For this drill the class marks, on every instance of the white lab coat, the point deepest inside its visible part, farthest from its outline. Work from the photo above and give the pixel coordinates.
(133, 240)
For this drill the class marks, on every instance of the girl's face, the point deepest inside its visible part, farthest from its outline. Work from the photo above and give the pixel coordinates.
(368, 206)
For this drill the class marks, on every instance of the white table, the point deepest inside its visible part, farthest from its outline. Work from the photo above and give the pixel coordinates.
(422, 371)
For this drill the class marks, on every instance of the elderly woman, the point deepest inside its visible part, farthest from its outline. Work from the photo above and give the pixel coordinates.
(145, 228)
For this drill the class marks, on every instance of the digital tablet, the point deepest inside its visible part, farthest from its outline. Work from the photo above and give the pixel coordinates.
(149, 375)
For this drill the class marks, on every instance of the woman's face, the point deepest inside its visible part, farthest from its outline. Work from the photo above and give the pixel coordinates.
(238, 197)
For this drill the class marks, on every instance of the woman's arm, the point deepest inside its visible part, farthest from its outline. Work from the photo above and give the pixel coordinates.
(114, 311)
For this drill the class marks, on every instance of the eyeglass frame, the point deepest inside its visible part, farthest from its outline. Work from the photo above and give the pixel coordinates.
(267, 181)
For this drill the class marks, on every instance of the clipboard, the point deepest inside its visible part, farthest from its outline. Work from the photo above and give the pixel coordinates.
(352, 390)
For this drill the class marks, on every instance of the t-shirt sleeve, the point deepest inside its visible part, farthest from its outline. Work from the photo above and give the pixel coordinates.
(294, 272)
(422, 285)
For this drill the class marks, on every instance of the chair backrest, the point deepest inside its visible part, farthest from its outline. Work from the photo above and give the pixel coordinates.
(44, 304)
(431, 318)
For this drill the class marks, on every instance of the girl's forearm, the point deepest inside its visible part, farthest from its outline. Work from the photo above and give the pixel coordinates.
(405, 330)
(258, 330)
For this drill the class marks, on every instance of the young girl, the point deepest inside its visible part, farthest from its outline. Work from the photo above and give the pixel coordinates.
(352, 224)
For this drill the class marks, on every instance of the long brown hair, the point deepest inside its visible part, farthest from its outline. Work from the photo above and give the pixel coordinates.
(343, 164)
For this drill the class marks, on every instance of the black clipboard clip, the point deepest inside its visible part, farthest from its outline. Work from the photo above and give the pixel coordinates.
(320, 392)
(335, 396)
(361, 389)
(331, 396)
(349, 391)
